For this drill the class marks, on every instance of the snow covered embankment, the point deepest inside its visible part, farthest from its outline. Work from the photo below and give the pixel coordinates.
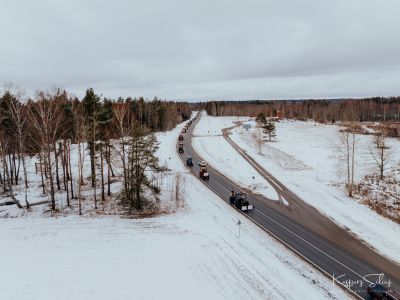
(305, 157)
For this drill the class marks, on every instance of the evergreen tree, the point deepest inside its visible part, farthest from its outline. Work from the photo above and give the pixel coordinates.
(104, 121)
(261, 119)
(267, 125)
(141, 157)
(91, 104)
(269, 128)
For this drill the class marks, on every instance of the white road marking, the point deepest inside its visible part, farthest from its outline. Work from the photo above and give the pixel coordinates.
(343, 265)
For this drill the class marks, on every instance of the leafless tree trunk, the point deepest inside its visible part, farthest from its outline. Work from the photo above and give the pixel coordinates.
(94, 183)
(61, 149)
(69, 168)
(353, 136)
(348, 143)
(56, 165)
(108, 154)
(381, 153)
(108, 158)
(4, 165)
(81, 131)
(49, 163)
(81, 134)
(259, 141)
(81, 157)
(102, 172)
(41, 164)
(65, 170)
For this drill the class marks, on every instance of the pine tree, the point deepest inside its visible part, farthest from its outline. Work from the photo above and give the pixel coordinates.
(260, 119)
(104, 121)
(91, 104)
(141, 157)
(269, 128)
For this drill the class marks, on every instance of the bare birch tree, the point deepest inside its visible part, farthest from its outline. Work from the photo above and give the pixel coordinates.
(80, 138)
(381, 152)
(18, 121)
(45, 116)
(347, 149)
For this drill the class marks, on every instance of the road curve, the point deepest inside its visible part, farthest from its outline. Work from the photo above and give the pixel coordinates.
(331, 249)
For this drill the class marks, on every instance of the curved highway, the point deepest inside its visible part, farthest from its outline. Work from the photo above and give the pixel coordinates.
(315, 238)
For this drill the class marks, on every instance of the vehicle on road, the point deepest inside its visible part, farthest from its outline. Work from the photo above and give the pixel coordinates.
(183, 130)
(180, 148)
(379, 292)
(180, 137)
(203, 174)
(189, 161)
(239, 200)
(202, 163)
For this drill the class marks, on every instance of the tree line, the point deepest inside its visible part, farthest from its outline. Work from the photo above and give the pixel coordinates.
(47, 126)
(368, 109)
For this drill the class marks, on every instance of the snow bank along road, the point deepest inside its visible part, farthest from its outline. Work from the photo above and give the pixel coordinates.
(314, 237)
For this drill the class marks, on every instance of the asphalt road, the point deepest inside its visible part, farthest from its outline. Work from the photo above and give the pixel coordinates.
(331, 249)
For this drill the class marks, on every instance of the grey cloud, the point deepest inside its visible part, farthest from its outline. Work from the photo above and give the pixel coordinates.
(202, 50)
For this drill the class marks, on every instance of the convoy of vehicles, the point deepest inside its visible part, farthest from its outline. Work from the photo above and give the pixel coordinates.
(238, 200)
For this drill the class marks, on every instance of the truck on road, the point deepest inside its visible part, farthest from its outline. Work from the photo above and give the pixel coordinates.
(239, 200)
(203, 174)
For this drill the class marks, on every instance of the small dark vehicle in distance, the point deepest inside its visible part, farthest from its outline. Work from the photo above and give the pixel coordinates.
(189, 161)
(180, 148)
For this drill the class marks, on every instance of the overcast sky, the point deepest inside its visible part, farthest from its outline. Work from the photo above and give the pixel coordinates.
(205, 49)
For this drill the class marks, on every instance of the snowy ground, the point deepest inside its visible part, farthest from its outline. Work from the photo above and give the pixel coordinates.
(194, 253)
(217, 152)
(305, 157)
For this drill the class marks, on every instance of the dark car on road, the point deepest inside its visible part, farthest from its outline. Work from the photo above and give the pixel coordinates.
(379, 292)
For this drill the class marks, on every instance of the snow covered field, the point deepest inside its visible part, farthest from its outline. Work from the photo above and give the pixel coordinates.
(305, 157)
(217, 152)
(194, 253)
